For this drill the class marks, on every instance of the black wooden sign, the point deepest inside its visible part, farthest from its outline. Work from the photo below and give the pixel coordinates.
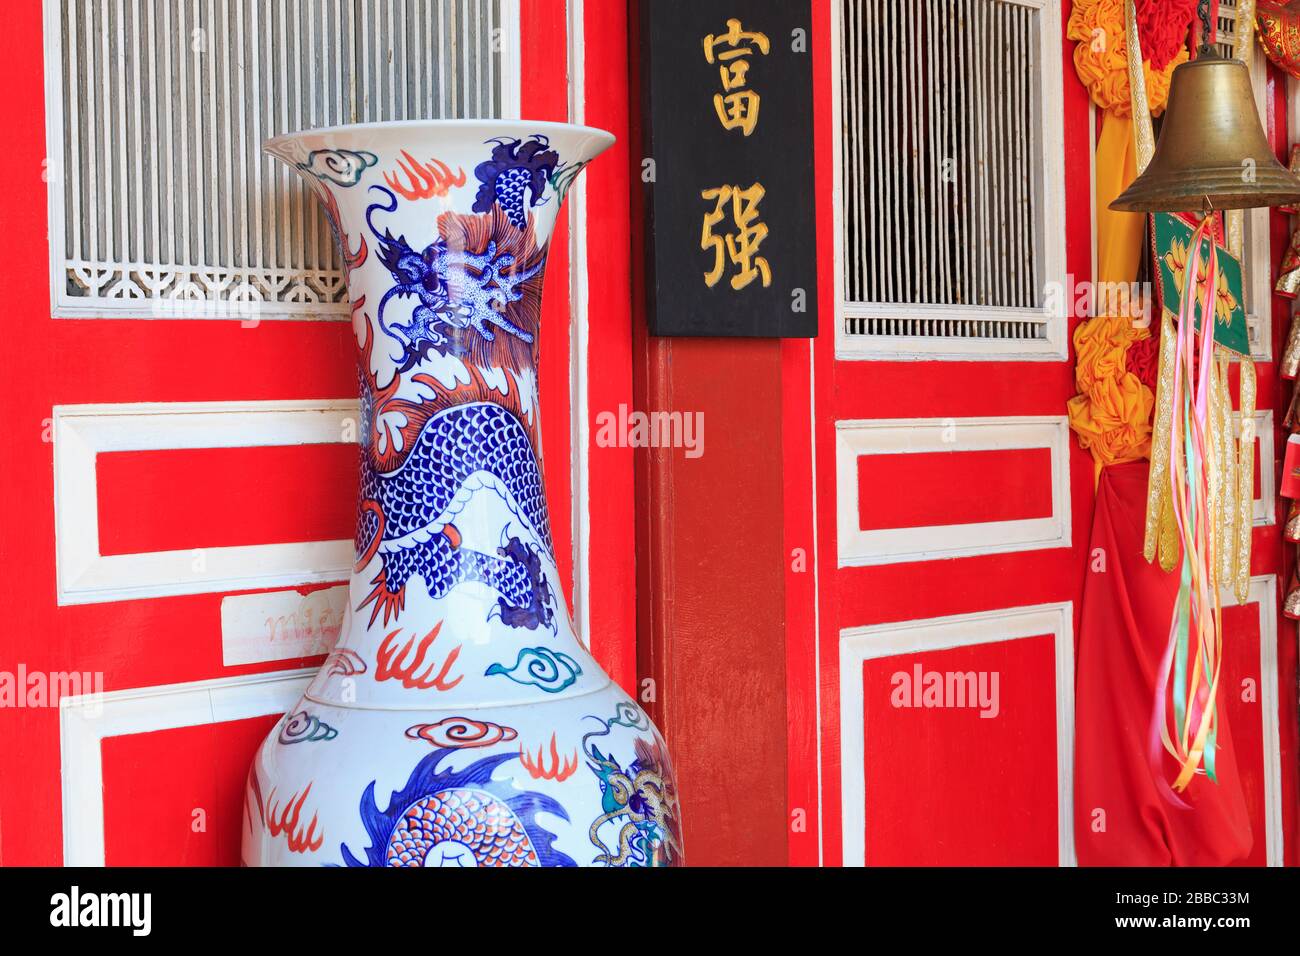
(731, 244)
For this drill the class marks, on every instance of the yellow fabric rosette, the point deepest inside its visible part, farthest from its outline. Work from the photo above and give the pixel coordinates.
(1112, 414)
(1101, 58)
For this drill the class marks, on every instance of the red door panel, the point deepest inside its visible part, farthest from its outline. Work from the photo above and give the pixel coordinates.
(174, 797)
(216, 497)
(968, 785)
(942, 488)
(1243, 700)
(944, 786)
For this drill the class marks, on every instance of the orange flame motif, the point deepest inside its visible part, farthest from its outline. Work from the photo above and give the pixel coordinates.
(392, 664)
(558, 770)
(427, 180)
(286, 821)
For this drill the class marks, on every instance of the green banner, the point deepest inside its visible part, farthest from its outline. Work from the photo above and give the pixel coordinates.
(1172, 238)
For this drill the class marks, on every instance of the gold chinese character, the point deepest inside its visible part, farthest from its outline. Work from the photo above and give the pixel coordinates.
(738, 108)
(733, 75)
(741, 246)
(733, 38)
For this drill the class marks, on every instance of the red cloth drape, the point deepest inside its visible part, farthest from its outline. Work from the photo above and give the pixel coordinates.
(1126, 609)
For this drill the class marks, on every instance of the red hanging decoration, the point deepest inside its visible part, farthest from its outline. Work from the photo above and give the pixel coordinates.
(1291, 469)
(1279, 33)
(1162, 28)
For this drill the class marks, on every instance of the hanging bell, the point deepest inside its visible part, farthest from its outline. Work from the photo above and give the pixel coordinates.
(1212, 152)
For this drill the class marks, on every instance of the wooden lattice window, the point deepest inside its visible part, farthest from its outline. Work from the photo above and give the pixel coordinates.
(951, 196)
(161, 201)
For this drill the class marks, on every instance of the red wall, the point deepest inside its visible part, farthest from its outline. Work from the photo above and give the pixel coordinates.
(712, 599)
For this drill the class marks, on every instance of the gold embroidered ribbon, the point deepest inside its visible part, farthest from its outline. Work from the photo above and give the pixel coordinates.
(1244, 523)
(1229, 466)
(1245, 482)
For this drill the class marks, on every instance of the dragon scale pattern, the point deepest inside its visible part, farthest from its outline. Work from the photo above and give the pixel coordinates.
(480, 822)
(454, 446)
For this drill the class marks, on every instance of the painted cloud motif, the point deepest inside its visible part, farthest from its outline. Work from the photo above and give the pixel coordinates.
(340, 166)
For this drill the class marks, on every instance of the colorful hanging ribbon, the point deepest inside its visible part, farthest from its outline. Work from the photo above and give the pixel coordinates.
(1189, 671)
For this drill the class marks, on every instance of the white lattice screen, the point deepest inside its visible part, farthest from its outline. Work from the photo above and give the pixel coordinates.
(950, 159)
(162, 203)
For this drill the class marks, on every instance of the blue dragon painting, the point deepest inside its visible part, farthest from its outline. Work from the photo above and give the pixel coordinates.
(461, 293)
(477, 298)
(408, 513)
(458, 818)
(514, 169)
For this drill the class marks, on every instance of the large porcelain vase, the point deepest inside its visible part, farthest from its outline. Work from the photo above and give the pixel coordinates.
(459, 722)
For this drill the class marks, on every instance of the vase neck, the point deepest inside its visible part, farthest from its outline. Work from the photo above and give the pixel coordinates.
(455, 600)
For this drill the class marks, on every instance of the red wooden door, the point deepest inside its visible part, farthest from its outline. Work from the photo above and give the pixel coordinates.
(951, 509)
(177, 492)
(937, 565)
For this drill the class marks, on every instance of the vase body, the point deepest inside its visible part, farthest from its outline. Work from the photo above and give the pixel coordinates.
(459, 721)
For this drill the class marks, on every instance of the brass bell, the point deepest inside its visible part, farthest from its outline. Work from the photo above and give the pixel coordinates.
(1212, 152)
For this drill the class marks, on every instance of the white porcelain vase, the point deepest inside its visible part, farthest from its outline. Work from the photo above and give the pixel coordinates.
(459, 721)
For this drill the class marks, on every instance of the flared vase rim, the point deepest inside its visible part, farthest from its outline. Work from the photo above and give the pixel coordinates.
(493, 127)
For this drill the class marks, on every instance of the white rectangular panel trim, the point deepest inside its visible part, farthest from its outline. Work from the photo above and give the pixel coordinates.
(1264, 510)
(860, 644)
(950, 435)
(86, 720)
(83, 431)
